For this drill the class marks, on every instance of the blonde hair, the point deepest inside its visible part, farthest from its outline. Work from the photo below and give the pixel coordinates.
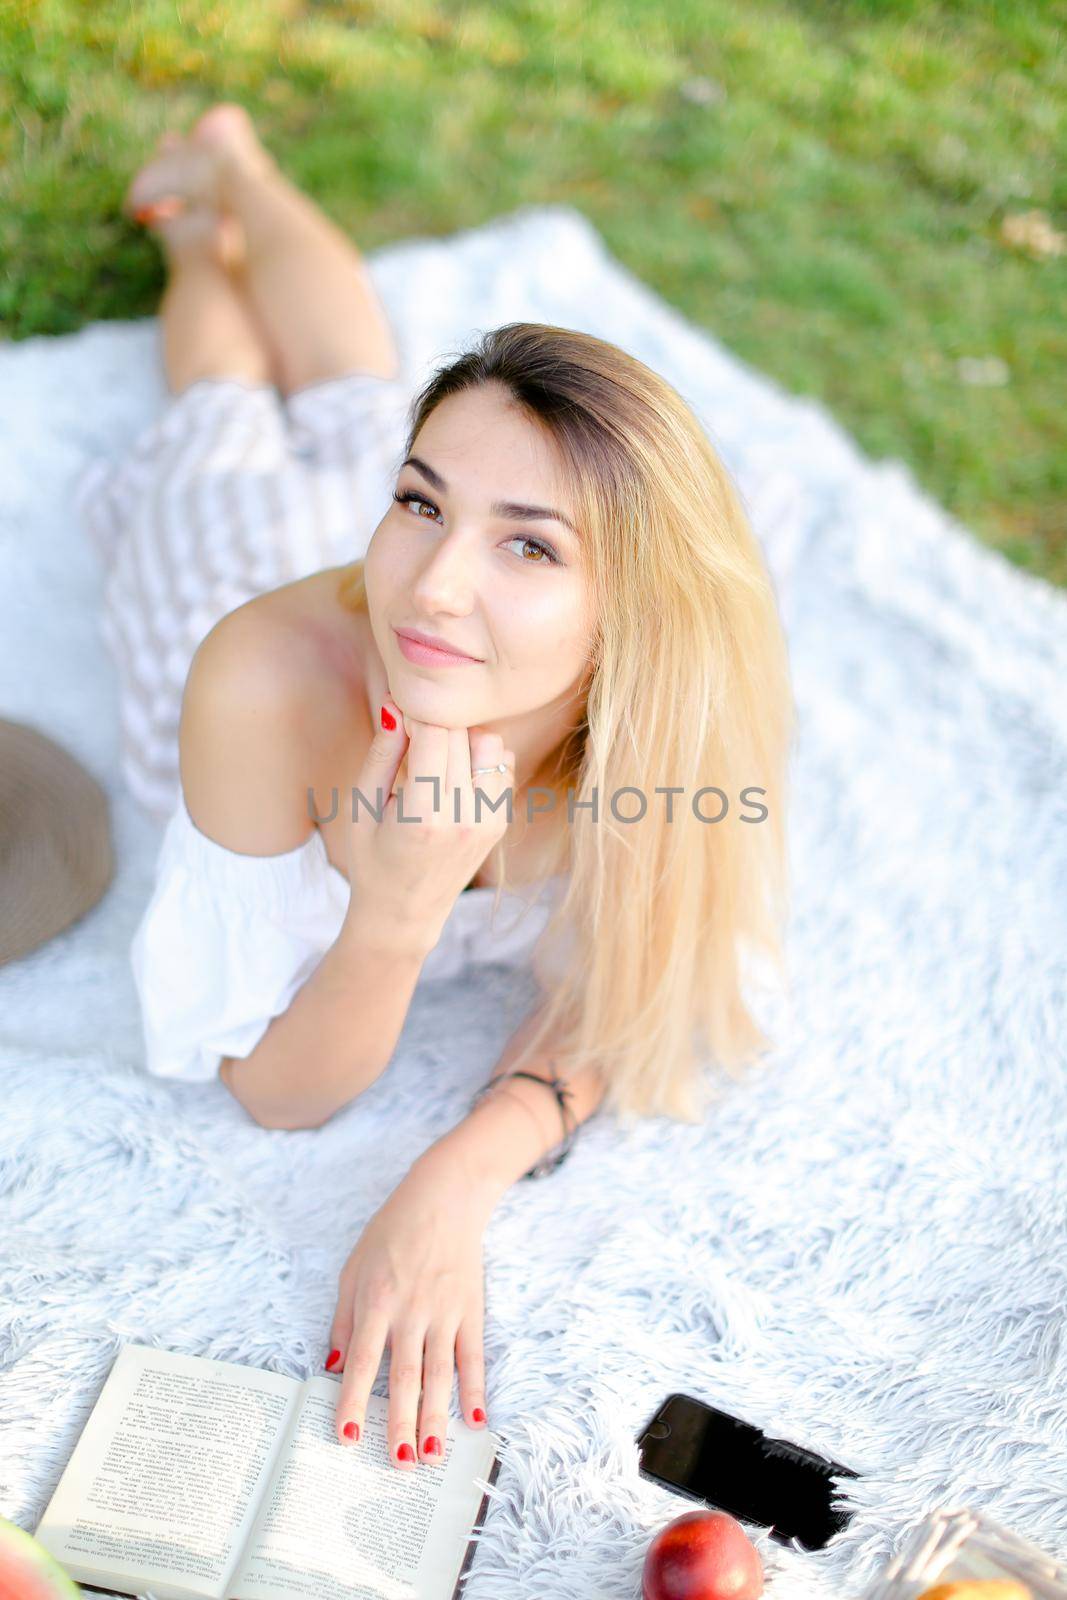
(688, 686)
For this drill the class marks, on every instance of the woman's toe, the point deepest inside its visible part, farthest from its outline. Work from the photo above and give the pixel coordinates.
(155, 180)
(160, 211)
(182, 172)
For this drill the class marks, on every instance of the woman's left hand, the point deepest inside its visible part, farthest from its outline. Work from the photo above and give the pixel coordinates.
(415, 1279)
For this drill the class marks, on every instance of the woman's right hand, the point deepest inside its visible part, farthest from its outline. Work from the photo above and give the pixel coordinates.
(407, 875)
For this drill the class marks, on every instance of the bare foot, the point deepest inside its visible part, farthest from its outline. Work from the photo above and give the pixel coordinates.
(180, 192)
(197, 229)
(229, 129)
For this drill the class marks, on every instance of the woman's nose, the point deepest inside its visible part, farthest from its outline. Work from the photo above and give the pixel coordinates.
(447, 579)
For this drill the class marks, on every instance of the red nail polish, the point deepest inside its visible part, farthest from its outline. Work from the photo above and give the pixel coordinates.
(158, 211)
(432, 1446)
(405, 1453)
(334, 1355)
(388, 720)
(478, 1414)
(351, 1430)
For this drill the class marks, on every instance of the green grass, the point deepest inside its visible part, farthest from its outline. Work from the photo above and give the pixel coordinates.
(831, 210)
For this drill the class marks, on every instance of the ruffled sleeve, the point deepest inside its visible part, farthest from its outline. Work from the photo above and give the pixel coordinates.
(225, 942)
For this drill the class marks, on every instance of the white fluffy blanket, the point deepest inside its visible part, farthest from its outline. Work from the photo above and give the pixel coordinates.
(862, 1250)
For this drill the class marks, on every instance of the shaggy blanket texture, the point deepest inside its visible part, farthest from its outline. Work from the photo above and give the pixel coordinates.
(863, 1249)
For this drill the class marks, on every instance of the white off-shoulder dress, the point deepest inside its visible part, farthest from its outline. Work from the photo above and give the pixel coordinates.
(232, 491)
(227, 939)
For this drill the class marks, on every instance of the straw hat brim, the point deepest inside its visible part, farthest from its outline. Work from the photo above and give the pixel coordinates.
(56, 856)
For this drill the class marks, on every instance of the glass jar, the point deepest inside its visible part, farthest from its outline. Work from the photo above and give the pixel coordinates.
(953, 1546)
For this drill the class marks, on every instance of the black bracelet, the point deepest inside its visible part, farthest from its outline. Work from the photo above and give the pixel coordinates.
(563, 1094)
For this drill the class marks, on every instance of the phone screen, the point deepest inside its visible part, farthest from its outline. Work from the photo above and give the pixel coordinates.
(710, 1456)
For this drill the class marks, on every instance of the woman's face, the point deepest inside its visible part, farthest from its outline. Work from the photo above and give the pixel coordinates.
(504, 586)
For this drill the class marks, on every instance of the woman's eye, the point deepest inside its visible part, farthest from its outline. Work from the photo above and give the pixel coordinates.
(407, 498)
(548, 555)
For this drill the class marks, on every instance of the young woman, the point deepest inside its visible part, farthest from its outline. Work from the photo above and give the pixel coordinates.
(604, 651)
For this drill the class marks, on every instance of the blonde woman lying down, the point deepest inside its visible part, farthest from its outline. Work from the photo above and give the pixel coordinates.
(551, 511)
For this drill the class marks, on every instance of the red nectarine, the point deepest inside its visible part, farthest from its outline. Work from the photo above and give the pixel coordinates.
(702, 1555)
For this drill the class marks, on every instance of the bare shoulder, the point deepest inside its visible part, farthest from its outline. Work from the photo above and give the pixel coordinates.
(272, 691)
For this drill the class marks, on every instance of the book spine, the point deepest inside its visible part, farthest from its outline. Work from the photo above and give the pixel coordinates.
(472, 1542)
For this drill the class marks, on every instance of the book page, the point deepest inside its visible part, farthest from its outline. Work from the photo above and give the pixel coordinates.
(340, 1522)
(164, 1482)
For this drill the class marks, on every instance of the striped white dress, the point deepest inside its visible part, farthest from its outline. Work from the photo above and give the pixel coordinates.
(231, 491)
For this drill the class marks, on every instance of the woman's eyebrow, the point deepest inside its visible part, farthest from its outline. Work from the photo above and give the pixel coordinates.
(499, 508)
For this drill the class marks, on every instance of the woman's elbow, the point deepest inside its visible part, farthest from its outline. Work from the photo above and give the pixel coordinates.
(266, 1115)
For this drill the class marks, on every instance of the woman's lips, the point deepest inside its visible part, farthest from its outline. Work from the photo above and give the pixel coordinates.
(425, 656)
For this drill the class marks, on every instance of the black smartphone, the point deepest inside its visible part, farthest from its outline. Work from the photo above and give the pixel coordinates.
(731, 1465)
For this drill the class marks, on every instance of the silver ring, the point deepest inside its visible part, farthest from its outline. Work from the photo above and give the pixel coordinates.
(501, 766)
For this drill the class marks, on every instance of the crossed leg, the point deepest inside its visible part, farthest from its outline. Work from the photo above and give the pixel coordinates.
(262, 285)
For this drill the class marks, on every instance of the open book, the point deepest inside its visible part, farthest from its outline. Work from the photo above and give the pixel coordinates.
(207, 1480)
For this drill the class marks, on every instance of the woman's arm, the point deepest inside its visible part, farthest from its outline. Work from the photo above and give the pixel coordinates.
(337, 1034)
(415, 1276)
(511, 1129)
(513, 1126)
(246, 755)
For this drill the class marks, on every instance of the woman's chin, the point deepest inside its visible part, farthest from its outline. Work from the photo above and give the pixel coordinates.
(426, 703)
